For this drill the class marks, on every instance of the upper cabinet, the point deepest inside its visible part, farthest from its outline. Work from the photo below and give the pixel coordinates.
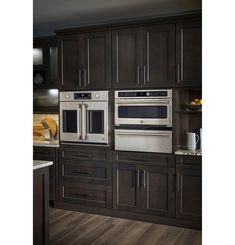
(143, 57)
(85, 61)
(189, 54)
(45, 61)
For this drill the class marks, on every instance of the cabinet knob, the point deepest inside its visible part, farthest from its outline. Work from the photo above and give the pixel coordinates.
(67, 96)
(97, 96)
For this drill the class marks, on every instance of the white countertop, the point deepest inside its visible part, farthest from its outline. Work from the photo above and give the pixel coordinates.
(188, 152)
(41, 164)
(46, 143)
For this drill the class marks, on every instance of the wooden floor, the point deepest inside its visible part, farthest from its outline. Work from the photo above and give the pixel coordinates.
(69, 228)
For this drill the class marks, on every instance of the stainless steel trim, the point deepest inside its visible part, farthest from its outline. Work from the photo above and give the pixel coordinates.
(84, 77)
(141, 102)
(62, 62)
(83, 121)
(87, 144)
(178, 73)
(138, 178)
(144, 179)
(147, 56)
(117, 56)
(182, 54)
(142, 133)
(138, 74)
(88, 61)
(144, 74)
(80, 77)
(79, 121)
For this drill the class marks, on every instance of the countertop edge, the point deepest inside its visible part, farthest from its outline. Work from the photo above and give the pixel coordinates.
(37, 164)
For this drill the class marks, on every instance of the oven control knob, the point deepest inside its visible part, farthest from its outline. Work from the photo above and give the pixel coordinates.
(67, 96)
(97, 96)
(148, 94)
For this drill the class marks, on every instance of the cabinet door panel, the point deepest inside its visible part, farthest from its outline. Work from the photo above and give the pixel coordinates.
(126, 49)
(70, 77)
(189, 194)
(159, 56)
(158, 191)
(189, 53)
(125, 187)
(97, 61)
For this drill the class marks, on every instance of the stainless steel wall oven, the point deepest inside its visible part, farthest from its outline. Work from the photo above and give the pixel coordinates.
(84, 117)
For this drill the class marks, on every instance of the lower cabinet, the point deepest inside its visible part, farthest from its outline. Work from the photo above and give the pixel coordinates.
(145, 186)
(50, 154)
(189, 188)
(85, 176)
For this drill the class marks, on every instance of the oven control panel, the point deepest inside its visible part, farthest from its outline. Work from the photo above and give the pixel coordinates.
(143, 94)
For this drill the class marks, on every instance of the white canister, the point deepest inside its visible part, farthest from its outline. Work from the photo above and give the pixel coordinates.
(192, 140)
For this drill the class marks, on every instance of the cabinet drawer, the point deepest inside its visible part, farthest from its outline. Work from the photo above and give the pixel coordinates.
(188, 161)
(86, 172)
(81, 153)
(85, 194)
(162, 160)
(43, 153)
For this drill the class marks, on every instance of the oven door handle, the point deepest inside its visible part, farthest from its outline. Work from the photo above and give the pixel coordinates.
(145, 133)
(79, 121)
(141, 102)
(84, 133)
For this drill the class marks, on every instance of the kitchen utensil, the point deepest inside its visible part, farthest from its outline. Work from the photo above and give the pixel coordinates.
(192, 140)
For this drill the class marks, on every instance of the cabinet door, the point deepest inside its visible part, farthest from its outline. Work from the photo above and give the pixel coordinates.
(125, 181)
(70, 61)
(159, 56)
(189, 54)
(126, 63)
(157, 191)
(189, 194)
(97, 60)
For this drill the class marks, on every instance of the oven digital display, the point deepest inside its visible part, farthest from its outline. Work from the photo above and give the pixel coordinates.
(78, 96)
(143, 94)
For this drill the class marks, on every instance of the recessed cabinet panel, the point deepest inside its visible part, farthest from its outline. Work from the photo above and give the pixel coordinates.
(126, 48)
(159, 56)
(53, 63)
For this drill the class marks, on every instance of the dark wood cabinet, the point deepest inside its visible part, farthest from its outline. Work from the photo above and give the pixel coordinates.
(41, 206)
(189, 188)
(142, 186)
(126, 58)
(50, 154)
(85, 61)
(143, 57)
(45, 62)
(189, 54)
(158, 56)
(85, 175)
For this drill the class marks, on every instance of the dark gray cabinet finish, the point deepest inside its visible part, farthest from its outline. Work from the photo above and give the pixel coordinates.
(142, 186)
(85, 175)
(85, 61)
(189, 54)
(189, 188)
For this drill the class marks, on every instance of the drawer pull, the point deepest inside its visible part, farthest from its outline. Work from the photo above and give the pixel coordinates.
(81, 172)
(82, 194)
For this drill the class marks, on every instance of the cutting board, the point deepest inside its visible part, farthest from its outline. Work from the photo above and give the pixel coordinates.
(39, 132)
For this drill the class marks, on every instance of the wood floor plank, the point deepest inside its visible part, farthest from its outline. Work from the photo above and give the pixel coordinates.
(76, 228)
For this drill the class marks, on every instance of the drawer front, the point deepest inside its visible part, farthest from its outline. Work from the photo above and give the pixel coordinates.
(188, 161)
(85, 172)
(161, 160)
(81, 153)
(43, 153)
(84, 194)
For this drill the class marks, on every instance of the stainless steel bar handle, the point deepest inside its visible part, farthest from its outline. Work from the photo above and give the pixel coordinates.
(84, 136)
(147, 56)
(84, 77)
(142, 102)
(138, 74)
(142, 133)
(178, 73)
(138, 178)
(62, 63)
(144, 74)
(80, 77)
(178, 182)
(144, 179)
(79, 121)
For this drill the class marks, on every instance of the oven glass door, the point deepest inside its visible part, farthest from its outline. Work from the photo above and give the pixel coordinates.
(143, 112)
(70, 121)
(95, 122)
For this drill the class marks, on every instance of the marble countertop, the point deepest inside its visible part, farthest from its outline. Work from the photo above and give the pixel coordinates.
(41, 164)
(188, 153)
(46, 143)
